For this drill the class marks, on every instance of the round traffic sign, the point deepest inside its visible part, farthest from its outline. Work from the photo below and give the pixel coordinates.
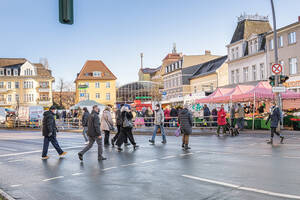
(276, 68)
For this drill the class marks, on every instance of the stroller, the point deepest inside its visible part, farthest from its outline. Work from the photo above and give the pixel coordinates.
(232, 130)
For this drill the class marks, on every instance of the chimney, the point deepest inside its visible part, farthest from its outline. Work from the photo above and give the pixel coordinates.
(207, 52)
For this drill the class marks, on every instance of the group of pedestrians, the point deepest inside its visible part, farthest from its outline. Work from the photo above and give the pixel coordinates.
(93, 126)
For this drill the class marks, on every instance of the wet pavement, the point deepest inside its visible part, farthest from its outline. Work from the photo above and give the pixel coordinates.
(234, 168)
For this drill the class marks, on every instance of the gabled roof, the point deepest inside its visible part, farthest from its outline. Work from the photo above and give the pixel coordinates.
(11, 61)
(150, 70)
(91, 66)
(247, 27)
(209, 67)
(42, 71)
(172, 56)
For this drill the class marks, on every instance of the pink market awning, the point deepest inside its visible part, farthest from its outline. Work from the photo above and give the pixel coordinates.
(238, 90)
(217, 93)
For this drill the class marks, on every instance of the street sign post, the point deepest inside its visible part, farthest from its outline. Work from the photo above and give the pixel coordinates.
(276, 68)
(278, 89)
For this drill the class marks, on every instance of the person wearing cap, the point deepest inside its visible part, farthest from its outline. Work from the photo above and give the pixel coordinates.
(49, 132)
(84, 120)
(158, 123)
(94, 134)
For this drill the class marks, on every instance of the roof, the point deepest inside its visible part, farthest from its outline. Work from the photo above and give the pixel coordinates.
(187, 73)
(172, 56)
(247, 27)
(91, 66)
(209, 67)
(150, 70)
(42, 71)
(11, 61)
(285, 27)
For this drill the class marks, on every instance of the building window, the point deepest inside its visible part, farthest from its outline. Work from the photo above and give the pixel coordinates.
(232, 54)
(107, 84)
(1, 72)
(28, 72)
(44, 84)
(282, 64)
(17, 86)
(262, 71)
(97, 74)
(292, 37)
(8, 72)
(293, 65)
(255, 46)
(17, 98)
(237, 52)
(280, 41)
(232, 77)
(271, 44)
(97, 95)
(28, 84)
(9, 98)
(245, 74)
(254, 72)
(15, 72)
(107, 96)
(1, 84)
(237, 76)
(97, 85)
(8, 85)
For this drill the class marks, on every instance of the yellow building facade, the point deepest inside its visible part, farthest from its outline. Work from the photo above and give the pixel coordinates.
(96, 82)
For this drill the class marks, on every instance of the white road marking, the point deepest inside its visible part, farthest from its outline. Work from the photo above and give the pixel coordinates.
(36, 151)
(11, 161)
(148, 161)
(77, 174)
(16, 185)
(297, 157)
(109, 168)
(275, 194)
(129, 164)
(50, 179)
(186, 154)
(167, 157)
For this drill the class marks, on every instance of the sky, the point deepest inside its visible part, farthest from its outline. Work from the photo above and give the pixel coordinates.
(117, 31)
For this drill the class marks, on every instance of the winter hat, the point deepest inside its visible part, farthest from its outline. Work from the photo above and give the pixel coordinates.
(52, 108)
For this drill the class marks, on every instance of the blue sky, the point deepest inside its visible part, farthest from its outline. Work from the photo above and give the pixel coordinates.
(116, 31)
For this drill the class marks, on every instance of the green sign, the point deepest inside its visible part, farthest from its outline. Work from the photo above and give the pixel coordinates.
(143, 97)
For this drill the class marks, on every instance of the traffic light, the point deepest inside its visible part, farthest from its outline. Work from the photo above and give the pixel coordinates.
(272, 80)
(283, 79)
(66, 14)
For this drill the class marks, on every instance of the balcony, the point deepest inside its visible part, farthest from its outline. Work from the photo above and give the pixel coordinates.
(44, 101)
(3, 103)
(43, 89)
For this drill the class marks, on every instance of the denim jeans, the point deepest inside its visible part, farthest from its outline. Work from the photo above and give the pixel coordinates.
(84, 133)
(240, 123)
(162, 132)
(54, 142)
(172, 122)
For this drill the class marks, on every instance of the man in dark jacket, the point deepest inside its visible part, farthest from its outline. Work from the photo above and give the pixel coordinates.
(49, 133)
(206, 113)
(94, 134)
(174, 115)
(185, 120)
(84, 120)
(275, 117)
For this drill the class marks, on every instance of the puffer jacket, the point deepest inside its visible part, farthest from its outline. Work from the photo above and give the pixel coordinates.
(159, 117)
(222, 117)
(49, 125)
(94, 125)
(85, 117)
(185, 120)
(274, 116)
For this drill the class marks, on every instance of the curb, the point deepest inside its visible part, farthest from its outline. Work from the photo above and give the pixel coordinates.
(6, 196)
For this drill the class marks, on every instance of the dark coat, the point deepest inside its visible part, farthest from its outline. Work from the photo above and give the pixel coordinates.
(174, 112)
(49, 125)
(128, 115)
(206, 111)
(214, 113)
(185, 120)
(94, 125)
(118, 117)
(274, 116)
(85, 118)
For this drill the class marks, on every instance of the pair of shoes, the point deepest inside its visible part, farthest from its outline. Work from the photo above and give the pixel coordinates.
(186, 147)
(80, 156)
(63, 154)
(270, 141)
(127, 144)
(151, 141)
(164, 142)
(135, 147)
(101, 158)
(182, 145)
(120, 149)
(45, 157)
(112, 142)
(281, 139)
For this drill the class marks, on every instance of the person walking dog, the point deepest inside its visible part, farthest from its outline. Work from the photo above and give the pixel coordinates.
(49, 132)
(275, 117)
(94, 134)
(185, 120)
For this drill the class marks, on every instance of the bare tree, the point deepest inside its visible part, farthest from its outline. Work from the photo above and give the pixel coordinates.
(44, 61)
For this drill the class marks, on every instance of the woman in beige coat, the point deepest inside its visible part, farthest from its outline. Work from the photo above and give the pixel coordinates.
(107, 124)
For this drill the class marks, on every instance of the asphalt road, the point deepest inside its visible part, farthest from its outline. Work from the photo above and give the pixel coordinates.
(232, 168)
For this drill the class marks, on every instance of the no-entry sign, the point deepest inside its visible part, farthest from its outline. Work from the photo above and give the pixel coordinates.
(276, 68)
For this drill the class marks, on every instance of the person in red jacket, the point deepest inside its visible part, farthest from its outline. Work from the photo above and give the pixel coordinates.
(167, 117)
(221, 120)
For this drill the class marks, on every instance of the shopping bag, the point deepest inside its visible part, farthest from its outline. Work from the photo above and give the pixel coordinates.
(177, 132)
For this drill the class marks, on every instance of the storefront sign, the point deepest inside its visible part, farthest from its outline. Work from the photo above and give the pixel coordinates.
(292, 84)
(278, 89)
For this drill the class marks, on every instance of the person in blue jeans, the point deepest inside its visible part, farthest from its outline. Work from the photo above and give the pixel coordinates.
(159, 119)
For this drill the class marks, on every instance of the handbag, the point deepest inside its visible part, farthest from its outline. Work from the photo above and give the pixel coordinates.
(177, 132)
(127, 123)
(158, 130)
